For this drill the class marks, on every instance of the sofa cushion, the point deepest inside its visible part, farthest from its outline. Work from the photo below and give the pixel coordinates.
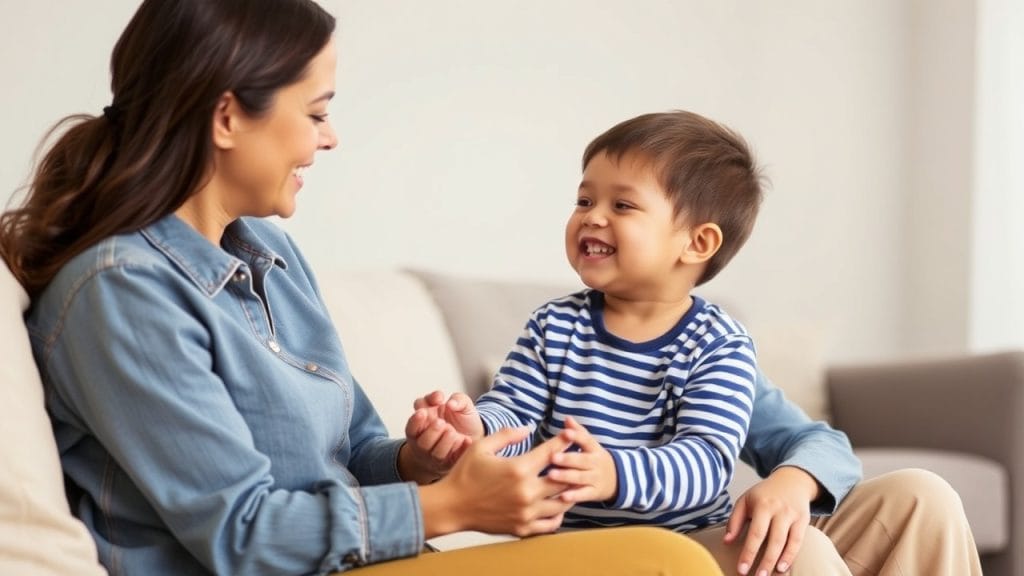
(394, 338)
(38, 534)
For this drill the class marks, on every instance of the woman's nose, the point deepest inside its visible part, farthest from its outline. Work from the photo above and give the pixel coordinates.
(328, 137)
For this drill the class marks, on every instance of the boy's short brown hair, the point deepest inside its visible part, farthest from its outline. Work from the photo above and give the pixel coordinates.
(706, 169)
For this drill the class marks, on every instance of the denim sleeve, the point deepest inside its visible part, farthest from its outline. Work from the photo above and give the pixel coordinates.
(781, 434)
(374, 456)
(149, 394)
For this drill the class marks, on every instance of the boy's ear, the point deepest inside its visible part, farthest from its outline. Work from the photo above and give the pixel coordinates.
(227, 119)
(705, 240)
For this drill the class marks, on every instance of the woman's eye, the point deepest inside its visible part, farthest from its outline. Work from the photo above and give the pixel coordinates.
(319, 118)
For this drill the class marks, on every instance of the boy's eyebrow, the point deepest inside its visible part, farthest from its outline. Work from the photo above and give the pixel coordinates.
(587, 184)
(325, 96)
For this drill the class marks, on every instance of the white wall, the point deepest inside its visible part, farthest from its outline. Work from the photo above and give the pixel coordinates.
(939, 170)
(997, 279)
(462, 123)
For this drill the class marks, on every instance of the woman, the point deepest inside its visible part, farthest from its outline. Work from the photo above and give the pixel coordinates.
(200, 396)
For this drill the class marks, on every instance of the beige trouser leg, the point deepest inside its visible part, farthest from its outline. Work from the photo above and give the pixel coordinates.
(600, 552)
(817, 557)
(905, 523)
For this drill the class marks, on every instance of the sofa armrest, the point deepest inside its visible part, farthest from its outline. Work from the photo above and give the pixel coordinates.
(972, 404)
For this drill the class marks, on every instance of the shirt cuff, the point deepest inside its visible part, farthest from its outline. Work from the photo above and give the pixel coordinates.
(835, 482)
(391, 522)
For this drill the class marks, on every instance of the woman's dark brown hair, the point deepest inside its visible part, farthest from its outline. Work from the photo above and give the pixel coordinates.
(152, 148)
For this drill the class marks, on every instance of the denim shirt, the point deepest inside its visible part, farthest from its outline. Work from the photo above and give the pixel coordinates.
(202, 402)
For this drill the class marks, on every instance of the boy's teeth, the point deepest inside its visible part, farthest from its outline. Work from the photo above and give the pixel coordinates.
(593, 249)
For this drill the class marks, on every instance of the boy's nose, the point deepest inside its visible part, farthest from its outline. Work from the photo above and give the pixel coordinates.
(594, 218)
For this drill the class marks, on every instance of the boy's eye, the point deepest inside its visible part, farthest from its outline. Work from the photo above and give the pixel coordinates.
(583, 201)
(623, 206)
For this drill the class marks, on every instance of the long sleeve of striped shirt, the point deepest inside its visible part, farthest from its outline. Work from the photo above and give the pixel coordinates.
(672, 412)
(520, 395)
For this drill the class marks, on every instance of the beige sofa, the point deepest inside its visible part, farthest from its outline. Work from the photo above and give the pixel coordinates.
(407, 333)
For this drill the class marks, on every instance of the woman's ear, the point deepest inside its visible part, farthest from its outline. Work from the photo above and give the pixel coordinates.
(705, 240)
(226, 120)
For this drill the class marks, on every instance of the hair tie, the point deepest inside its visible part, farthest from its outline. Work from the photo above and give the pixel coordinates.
(111, 113)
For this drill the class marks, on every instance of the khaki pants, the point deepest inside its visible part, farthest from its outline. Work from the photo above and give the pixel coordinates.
(607, 552)
(905, 523)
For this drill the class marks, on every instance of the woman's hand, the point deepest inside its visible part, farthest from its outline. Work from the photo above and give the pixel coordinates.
(779, 511)
(492, 494)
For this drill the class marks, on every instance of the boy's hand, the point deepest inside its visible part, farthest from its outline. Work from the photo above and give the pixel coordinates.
(778, 509)
(434, 443)
(458, 410)
(589, 472)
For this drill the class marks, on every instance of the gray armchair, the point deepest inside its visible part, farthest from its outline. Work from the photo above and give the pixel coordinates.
(971, 405)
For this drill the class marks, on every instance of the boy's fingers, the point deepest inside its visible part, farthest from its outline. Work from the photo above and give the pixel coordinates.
(736, 520)
(581, 435)
(459, 402)
(432, 399)
(756, 534)
(571, 477)
(773, 547)
(431, 434)
(573, 460)
(446, 444)
(435, 398)
(416, 424)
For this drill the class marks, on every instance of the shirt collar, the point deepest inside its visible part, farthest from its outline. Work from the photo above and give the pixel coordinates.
(209, 267)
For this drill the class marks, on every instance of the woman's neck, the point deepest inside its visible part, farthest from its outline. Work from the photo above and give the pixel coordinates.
(207, 217)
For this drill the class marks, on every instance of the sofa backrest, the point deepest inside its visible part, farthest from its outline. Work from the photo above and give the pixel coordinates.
(394, 337)
(484, 318)
(38, 534)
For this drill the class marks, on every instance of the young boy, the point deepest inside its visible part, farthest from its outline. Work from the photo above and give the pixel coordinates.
(653, 384)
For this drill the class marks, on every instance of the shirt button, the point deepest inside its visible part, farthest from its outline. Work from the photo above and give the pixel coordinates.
(352, 559)
(240, 277)
(274, 346)
(312, 367)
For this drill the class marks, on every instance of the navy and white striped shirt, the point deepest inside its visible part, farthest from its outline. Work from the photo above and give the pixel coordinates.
(673, 412)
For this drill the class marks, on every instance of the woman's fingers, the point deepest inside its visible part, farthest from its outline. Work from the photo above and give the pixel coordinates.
(499, 440)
